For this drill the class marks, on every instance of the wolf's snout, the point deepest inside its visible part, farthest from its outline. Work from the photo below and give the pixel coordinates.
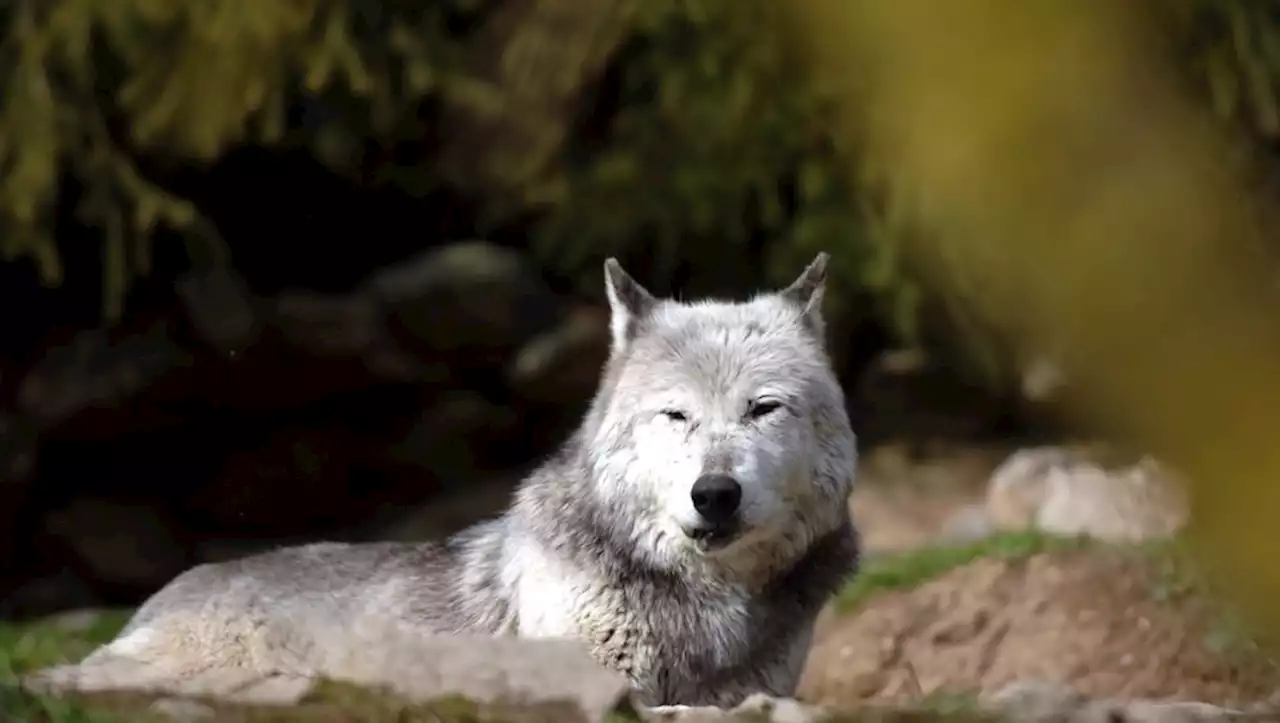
(716, 497)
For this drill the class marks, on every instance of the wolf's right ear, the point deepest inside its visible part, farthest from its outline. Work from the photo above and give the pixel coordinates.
(628, 302)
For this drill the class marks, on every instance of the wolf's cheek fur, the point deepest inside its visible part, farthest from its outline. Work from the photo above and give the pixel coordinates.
(774, 470)
(652, 473)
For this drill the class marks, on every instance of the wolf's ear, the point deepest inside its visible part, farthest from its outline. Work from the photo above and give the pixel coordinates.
(628, 302)
(806, 292)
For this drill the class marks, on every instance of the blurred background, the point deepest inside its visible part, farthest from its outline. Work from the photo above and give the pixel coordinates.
(281, 271)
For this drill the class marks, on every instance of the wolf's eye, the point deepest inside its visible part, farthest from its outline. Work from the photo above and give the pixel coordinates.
(675, 415)
(761, 407)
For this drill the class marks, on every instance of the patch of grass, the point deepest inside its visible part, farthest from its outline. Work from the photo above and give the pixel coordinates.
(1178, 578)
(920, 566)
(21, 707)
(951, 702)
(24, 647)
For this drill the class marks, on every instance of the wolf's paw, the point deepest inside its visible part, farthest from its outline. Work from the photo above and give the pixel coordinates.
(660, 712)
(683, 714)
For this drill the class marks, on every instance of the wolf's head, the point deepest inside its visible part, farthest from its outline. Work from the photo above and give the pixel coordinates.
(720, 431)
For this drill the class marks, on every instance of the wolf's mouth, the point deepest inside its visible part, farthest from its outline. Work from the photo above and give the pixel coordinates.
(716, 537)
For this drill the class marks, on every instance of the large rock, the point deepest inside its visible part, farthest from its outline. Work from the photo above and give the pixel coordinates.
(563, 365)
(1065, 491)
(1036, 701)
(482, 669)
(471, 299)
(490, 670)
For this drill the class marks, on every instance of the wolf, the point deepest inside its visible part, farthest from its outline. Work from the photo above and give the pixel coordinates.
(688, 532)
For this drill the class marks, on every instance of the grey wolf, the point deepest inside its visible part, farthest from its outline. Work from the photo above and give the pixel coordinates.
(689, 532)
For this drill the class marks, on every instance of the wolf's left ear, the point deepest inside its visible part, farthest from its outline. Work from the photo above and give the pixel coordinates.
(806, 292)
(629, 302)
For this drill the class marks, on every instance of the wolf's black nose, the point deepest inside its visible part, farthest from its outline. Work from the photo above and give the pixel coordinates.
(716, 497)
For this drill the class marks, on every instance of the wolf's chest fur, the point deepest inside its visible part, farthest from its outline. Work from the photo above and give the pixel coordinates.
(680, 639)
(648, 629)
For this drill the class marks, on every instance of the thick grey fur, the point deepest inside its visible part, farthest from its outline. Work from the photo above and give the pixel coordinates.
(593, 545)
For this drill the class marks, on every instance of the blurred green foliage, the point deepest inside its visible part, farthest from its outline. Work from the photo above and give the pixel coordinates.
(87, 87)
(1231, 53)
(720, 158)
(1053, 149)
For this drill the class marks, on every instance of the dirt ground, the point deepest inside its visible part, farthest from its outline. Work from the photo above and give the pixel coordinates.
(901, 501)
(1087, 618)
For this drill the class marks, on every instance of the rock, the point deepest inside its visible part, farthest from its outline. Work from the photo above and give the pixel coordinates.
(1047, 702)
(490, 670)
(34, 597)
(182, 709)
(968, 524)
(221, 309)
(328, 325)
(762, 706)
(18, 450)
(1018, 486)
(448, 440)
(1036, 701)
(75, 621)
(563, 364)
(1064, 492)
(17, 453)
(93, 370)
(346, 326)
(120, 543)
(1155, 711)
(1141, 502)
(485, 497)
(471, 299)
(486, 670)
(288, 482)
(757, 708)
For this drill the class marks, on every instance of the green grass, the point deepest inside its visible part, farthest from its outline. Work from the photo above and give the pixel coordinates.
(47, 642)
(914, 568)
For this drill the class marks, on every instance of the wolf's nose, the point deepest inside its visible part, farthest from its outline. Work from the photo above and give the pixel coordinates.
(716, 497)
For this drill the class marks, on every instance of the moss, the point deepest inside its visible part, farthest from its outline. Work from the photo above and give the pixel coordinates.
(920, 566)
(24, 647)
